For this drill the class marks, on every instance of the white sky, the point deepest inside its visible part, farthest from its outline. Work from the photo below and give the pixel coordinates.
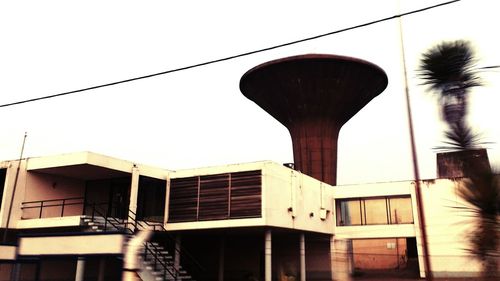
(199, 117)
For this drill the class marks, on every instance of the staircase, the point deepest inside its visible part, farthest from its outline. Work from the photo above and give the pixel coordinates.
(156, 263)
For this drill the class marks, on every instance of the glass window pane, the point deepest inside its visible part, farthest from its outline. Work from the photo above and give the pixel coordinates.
(348, 212)
(401, 211)
(376, 211)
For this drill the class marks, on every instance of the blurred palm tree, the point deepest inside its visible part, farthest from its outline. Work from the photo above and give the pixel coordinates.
(449, 69)
(482, 191)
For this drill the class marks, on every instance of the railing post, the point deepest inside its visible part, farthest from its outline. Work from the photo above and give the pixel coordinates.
(177, 256)
(106, 222)
(135, 221)
(62, 208)
(41, 208)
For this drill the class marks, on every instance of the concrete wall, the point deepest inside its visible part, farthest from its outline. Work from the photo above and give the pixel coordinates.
(10, 179)
(290, 200)
(448, 229)
(47, 187)
(296, 201)
(404, 188)
(72, 245)
(447, 226)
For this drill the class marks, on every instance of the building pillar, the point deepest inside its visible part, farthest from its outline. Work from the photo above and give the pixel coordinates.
(302, 257)
(340, 259)
(177, 255)
(16, 271)
(102, 269)
(167, 200)
(221, 258)
(80, 269)
(134, 192)
(268, 255)
(332, 256)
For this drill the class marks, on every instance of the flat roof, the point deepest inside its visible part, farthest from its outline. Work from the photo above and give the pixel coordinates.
(88, 166)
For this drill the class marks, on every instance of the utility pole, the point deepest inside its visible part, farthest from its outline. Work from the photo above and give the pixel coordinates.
(418, 194)
(14, 190)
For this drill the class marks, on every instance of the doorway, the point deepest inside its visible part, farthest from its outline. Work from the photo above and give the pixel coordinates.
(109, 197)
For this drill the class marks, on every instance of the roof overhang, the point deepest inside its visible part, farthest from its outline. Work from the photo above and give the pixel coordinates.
(82, 165)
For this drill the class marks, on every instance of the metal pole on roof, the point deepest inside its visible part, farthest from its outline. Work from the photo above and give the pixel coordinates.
(9, 213)
(418, 194)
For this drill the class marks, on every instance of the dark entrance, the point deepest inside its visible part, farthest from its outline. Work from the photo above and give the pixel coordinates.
(109, 197)
(411, 248)
(151, 199)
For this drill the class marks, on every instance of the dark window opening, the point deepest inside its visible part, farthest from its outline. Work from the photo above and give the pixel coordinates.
(151, 199)
(109, 197)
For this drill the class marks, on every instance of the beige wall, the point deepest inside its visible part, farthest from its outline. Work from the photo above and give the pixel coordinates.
(288, 200)
(8, 190)
(448, 228)
(72, 245)
(7, 252)
(297, 201)
(47, 187)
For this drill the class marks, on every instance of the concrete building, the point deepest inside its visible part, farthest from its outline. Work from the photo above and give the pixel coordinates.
(86, 216)
(69, 217)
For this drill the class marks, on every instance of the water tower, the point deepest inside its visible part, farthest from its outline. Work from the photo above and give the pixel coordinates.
(313, 96)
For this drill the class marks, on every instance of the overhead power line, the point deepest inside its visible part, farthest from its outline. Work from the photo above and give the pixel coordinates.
(231, 57)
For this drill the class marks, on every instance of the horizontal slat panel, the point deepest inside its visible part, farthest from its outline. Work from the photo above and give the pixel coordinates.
(214, 197)
(183, 205)
(221, 196)
(246, 194)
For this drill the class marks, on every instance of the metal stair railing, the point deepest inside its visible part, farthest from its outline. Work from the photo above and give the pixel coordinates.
(113, 221)
(60, 202)
(193, 265)
(153, 251)
(166, 268)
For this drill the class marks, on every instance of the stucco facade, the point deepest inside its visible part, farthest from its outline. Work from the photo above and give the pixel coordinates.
(255, 220)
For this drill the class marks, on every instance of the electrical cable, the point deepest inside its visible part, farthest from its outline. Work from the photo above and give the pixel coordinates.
(230, 57)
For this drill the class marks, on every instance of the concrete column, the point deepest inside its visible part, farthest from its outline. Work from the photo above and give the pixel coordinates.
(134, 192)
(102, 269)
(332, 256)
(268, 255)
(177, 255)
(167, 200)
(302, 257)
(16, 271)
(221, 258)
(80, 269)
(341, 259)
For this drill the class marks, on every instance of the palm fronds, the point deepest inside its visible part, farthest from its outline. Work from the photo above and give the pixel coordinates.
(449, 64)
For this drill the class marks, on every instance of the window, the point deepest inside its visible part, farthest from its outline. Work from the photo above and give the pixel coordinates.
(371, 211)
(375, 211)
(400, 210)
(349, 211)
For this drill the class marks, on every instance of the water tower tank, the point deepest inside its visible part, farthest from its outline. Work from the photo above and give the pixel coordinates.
(313, 96)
